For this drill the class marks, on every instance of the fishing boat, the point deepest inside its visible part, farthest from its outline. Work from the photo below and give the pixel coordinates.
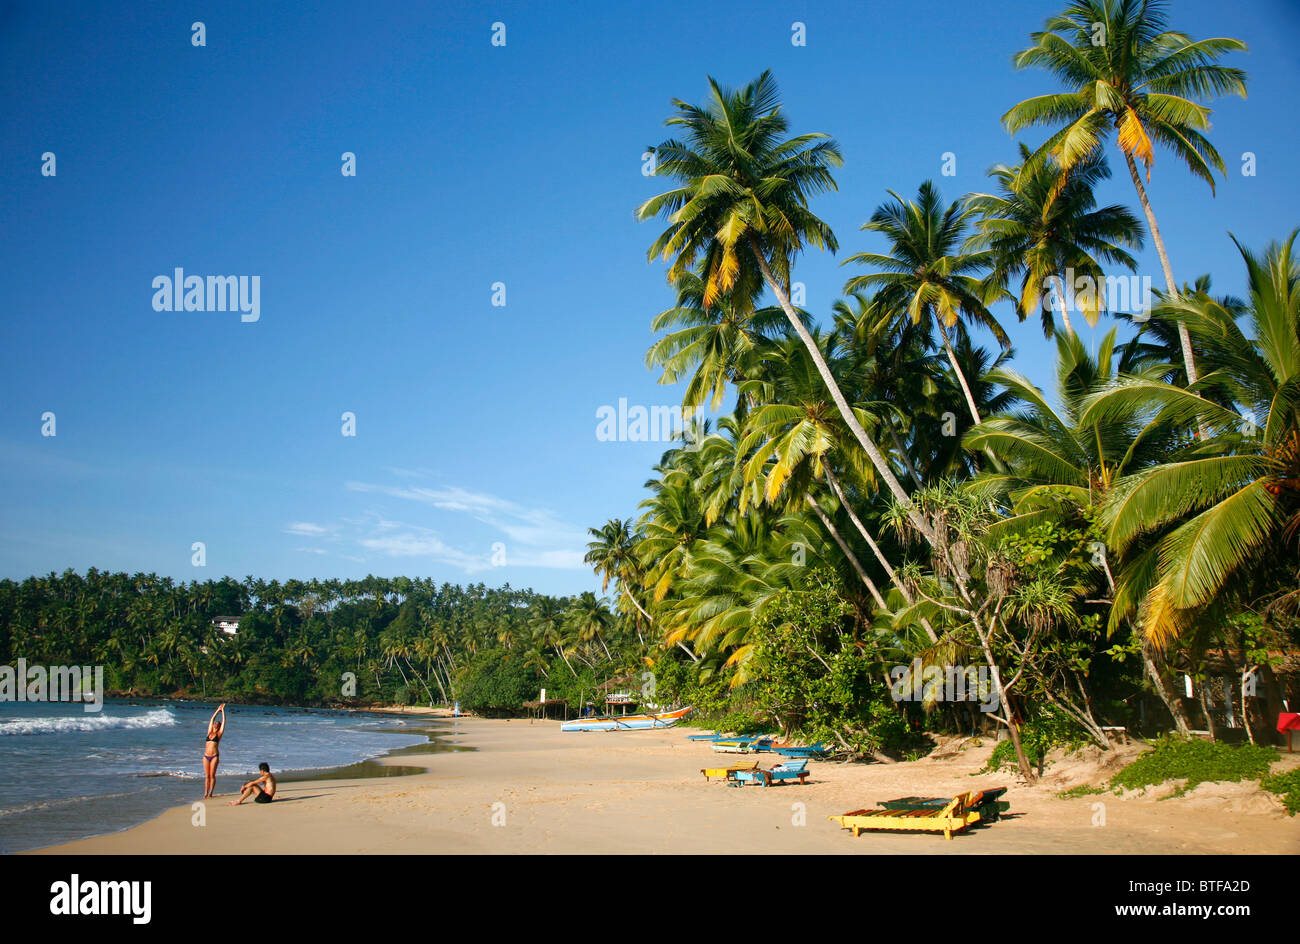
(642, 722)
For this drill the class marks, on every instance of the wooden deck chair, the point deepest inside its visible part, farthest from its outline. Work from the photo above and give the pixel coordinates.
(986, 804)
(952, 818)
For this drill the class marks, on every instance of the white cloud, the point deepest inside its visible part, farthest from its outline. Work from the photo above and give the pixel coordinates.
(306, 529)
(535, 527)
(533, 537)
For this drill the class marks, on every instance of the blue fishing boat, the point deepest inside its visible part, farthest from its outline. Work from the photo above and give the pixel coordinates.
(643, 722)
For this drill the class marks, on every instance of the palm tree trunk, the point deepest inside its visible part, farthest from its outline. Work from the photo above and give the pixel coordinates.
(1013, 726)
(872, 450)
(433, 670)
(639, 607)
(650, 619)
(902, 452)
(1161, 684)
(566, 660)
(1058, 299)
(1184, 339)
(848, 553)
(961, 375)
(965, 389)
(834, 483)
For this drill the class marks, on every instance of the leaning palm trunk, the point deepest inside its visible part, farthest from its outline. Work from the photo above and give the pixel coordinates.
(872, 450)
(560, 650)
(965, 389)
(683, 647)
(1161, 684)
(845, 549)
(421, 679)
(1013, 726)
(834, 483)
(961, 375)
(650, 619)
(901, 449)
(433, 670)
(639, 607)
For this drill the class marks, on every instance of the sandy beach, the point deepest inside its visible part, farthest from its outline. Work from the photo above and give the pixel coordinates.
(642, 792)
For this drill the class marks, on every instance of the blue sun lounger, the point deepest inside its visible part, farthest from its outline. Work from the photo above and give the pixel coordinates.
(817, 751)
(796, 770)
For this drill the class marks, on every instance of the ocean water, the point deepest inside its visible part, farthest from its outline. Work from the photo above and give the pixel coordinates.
(66, 774)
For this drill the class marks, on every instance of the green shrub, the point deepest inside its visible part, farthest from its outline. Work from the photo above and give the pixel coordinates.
(1045, 731)
(1287, 787)
(1175, 758)
(495, 682)
(1080, 790)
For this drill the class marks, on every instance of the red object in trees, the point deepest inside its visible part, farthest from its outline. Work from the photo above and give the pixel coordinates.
(1288, 721)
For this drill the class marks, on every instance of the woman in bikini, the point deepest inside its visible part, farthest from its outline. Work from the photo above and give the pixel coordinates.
(212, 750)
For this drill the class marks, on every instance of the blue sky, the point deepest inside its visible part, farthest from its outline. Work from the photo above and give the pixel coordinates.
(476, 164)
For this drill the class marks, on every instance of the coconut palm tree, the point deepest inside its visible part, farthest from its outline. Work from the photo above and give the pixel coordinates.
(1189, 527)
(742, 207)
(672, 522)
(613, 556)
(1122, 70)
(926, 277)
(1043, 224)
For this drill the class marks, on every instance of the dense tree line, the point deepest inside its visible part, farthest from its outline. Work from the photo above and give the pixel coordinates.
(376, 640)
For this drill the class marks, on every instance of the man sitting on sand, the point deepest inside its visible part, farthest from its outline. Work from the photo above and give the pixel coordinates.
(262, 790)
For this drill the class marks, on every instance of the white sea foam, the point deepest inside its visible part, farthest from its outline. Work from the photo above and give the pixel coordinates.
(161, 718)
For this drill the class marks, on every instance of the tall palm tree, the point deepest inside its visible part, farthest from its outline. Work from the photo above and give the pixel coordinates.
(672, 522)
(1189, 527)
(742, 206)
(1124, 71)
(927, 277)
(1043, 224)
(613, 556)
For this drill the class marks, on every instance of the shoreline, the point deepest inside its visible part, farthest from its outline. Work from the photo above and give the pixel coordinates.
(527, 787)
(215, 700)
(400, 761)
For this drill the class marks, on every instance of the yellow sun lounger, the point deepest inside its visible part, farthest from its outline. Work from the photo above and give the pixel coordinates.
(954, 817)
(722, 772)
